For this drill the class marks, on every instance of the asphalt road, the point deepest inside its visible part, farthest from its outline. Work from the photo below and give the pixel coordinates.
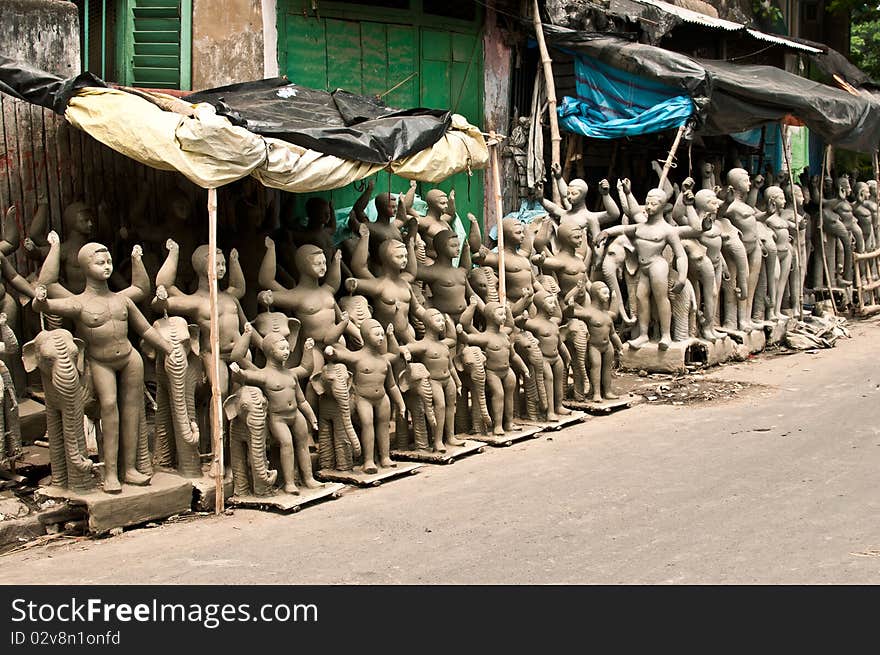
(777, 485)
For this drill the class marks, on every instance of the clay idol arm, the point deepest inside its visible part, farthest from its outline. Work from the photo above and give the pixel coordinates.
(681, 260)
(11, 239)
(361, 254)
(266, 276)
(181, 304)
(168, 272)
(236, 287)
(151, 335)
(305, 408)
(51, 268)
(552, 208)
(140, 281)
(615, 340)
(518, 363)
(252, 376)
(338, 329)
(67, 307)
(35, 246)
(15, 280)
(394, 390)
(333, 279)
(242, 345)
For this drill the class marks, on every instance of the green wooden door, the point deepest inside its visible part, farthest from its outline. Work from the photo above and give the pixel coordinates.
(425, 66)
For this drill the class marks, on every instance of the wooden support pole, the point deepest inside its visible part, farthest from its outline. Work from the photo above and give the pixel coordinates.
(826, 156)
(216, 401)
(671, 157)
(555, 138)
(499, 221)
(797, 231)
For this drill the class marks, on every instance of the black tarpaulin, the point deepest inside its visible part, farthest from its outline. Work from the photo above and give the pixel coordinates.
(733, 98)
(338, 123)
(39, 87)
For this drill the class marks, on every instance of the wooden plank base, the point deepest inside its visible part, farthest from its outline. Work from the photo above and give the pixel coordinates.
(523, 432)
(205, 493)
(166, 495)
(357, 476)
(431, 457)
(564, 421)
(289, 503)
(602, 407)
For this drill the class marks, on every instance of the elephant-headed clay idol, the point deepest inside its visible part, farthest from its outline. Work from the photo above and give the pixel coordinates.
(533, 403)
(246, 409)
(435, 352)
(103, 318)
(414, 382)
(178, 374)
(60, 360)
(603, 342)
(650, 237)
(374, 388)
(290, 416)
(269, 322)
(496, 343)
(471, 365)
(338, 443)
(545, 326)
(358, 309)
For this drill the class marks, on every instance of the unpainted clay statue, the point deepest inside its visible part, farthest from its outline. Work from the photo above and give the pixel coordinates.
(177, 377)
(375, 388)
(775, 221)
(447, 283)
(544, 325)
(311, 300)
(573, 208)
(799, 225)
(743, 217)
(435, 351)
(844, 210)
(500, 354)
(103, 318)
(603, 343)
(517, 266)
(10, 426)
(269, 322)
(197, 308)
(438, 217)
(649, 239)
(246, 410)
(567, 264)
(78, 221)
(391, 291)
(471, 365)
(60, 360)
(865, 210)
(289, 414)
(391, 213)
(338, 443)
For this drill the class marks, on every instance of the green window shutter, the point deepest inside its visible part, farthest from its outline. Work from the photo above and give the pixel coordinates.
(158, 43)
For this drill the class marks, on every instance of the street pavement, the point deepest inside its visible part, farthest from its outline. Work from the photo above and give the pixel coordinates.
(778, 484)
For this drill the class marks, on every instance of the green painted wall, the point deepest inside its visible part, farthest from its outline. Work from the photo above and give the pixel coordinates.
(369, 50)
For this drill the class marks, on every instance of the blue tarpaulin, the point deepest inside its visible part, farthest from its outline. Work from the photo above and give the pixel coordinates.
(613, 103)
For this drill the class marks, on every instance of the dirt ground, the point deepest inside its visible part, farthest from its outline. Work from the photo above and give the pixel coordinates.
(759, 472)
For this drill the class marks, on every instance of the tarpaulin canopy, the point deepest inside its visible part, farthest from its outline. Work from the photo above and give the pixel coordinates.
(732, 97)
(210, 151)
(338, 123)
(612, 103)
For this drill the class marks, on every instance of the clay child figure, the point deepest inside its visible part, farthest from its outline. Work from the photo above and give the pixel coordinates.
(500, 354)
(196, 306)
(604, 341)
(650, 238)
(103, 318)
(374, 389)
(391, 217)
(289, 414)
(573, 208)
(435, 351)
(517, 266)
(391, 290)
(448, 284)
(545, 326)
(779, 226)
(439, 217)
(311, 301)
(78, 221)
(320, 226)
(743, 217)
(844, 210)
(569, 266)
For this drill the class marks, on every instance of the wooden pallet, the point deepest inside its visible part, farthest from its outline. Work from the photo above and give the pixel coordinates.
(523, 432)
(289, 503)
(563, 421)
(357, 476)
(603, 407)
(431, 457)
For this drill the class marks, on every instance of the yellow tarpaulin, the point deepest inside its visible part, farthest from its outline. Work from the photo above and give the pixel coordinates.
(211, 152)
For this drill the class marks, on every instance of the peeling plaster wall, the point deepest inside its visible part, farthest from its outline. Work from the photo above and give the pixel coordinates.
(227, 42)
(44, 33)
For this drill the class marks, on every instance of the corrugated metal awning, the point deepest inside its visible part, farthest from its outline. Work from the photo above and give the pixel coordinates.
(697, 18)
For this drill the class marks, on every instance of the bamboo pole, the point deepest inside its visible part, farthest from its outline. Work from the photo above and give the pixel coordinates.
(555, 138)
(671, 157)
(797, 230)
(826, 156)
(216, 408)
(499, 220)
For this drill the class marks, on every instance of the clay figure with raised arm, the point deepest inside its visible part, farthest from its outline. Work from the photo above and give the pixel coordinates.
(604, 341)
(573, 207)
(312, 300)
(391, 291)
(569, 266)
(290, 416)
(374, 390)
(743, 217)
(545, 327)
(448, 284)
(196, 307)
(650, 238)
(435, 352)
(438, 217)
(500, 354)
(103, 318)
(517, 266)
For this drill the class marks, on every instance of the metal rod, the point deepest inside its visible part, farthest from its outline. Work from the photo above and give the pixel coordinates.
(216, 422)
(499, 213)
(797, 228)
(555, 138)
